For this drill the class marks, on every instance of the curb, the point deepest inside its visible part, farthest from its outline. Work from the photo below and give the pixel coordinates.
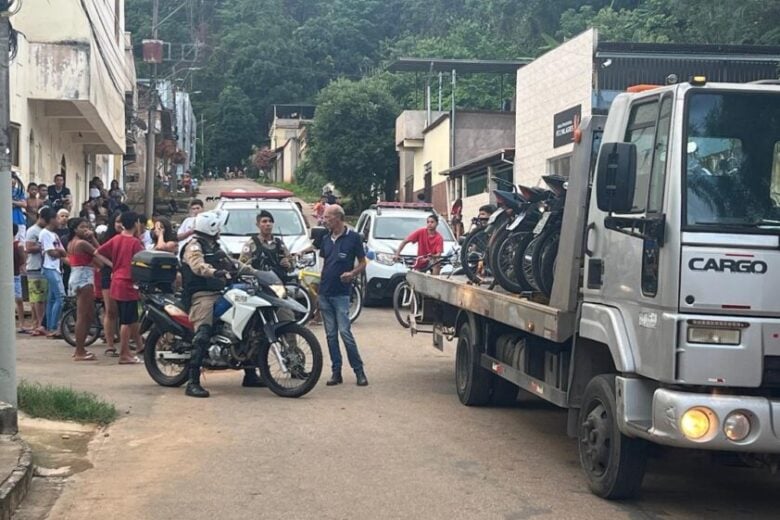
(14, 488)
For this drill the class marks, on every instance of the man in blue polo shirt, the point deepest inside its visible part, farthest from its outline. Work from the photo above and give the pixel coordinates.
(339, 250)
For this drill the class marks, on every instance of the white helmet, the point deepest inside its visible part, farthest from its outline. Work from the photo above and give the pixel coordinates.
(210, 223)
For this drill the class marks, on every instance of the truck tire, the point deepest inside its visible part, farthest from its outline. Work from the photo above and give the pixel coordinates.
(614, 464)
(471, 380)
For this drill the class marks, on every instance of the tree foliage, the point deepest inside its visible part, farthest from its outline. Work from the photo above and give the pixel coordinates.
(353, 135)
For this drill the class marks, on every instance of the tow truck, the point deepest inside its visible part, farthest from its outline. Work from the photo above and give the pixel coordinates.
(663, 325)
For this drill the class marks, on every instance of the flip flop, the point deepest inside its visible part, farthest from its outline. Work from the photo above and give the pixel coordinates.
(111, 352)
(37, 333)
(54, 335)
(135, 361)
(89, 357)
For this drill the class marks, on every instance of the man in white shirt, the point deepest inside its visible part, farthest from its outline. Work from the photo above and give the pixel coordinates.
(53, 253)
(36, 283)
(187, 228)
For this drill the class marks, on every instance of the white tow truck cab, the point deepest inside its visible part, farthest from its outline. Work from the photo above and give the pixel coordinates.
(664, 321)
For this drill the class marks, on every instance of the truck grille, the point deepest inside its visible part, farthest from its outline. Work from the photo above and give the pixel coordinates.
(771, 371)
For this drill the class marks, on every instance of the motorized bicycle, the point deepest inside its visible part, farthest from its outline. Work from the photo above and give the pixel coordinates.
(537, 261)
(522, 208)
(474, 251)
(246, 332)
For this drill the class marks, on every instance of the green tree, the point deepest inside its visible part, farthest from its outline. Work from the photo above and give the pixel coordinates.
(352, 138)
(232, 136)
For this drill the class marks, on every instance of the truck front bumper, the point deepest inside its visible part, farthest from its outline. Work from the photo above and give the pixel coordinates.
(656, 414)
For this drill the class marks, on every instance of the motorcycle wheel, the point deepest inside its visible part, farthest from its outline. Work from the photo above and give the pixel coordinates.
(68, 329)
(303, 297)
(503, 257)
(303, 360)
(473, 257)
(528, 261)
(402, 303)
(355, 302)
(164, 373)
(545, 265)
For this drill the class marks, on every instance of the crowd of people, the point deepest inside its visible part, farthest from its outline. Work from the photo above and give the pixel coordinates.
(85, 257)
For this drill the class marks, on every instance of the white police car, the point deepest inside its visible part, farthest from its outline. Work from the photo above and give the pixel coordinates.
(243, 208)
(383, 227)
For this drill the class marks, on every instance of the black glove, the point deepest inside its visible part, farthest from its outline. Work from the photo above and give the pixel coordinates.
(221, 274)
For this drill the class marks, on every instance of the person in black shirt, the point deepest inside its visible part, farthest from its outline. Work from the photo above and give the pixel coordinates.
(59, 194)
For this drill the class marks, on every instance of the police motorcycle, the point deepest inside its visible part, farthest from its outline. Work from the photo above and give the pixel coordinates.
(246, 330)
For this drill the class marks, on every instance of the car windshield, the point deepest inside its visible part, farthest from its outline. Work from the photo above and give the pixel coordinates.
(243, 222)
(732, 178)
(398, 228)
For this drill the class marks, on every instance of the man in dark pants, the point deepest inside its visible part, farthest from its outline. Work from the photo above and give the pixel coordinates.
(205, 270)
(339, 250)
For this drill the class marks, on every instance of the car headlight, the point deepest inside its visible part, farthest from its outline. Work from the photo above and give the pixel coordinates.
(280, 291)
(715, 332)
(385, 259)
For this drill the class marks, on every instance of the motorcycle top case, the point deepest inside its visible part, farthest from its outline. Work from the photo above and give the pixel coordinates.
(154, 267)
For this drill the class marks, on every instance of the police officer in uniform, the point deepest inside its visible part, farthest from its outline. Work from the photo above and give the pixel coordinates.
(266, 252)
(205, 270)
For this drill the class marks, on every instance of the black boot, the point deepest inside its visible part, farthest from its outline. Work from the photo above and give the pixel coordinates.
(361, 378)
(252, 380)
(335, 379)
(193, 385)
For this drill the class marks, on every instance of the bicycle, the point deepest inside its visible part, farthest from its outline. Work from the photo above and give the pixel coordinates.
(406, 304)
(305, 285)
(68, 322)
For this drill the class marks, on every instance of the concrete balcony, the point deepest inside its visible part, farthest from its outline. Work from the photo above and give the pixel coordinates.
(76, 70)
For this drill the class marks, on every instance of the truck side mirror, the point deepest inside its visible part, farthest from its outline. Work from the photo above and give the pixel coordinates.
(616, 177)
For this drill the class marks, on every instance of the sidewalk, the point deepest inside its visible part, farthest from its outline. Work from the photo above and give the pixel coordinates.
(16, 472)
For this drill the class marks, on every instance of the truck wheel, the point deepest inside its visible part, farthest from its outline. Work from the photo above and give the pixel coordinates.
(613, 463)
(471, 380)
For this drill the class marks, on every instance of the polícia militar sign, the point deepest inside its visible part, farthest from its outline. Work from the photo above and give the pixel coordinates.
(564, 124)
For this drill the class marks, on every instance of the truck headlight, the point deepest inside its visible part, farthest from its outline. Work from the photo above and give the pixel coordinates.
(280, 291)
(715, 332)
(385, 259)
(697, 422)
(736, 427)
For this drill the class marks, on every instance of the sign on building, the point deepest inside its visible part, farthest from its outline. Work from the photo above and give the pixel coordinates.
(564, 124)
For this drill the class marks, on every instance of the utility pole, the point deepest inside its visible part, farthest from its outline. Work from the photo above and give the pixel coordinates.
(202, 147)
(150, 138)
(7, 324)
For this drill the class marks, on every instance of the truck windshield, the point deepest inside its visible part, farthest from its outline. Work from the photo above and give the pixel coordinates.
(398, 228)
(732, 171)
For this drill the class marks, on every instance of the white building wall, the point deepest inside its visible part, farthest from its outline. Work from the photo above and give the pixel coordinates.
(554, 82)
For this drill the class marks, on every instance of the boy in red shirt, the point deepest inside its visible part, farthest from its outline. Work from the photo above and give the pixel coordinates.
(120, 250)
(430, 244)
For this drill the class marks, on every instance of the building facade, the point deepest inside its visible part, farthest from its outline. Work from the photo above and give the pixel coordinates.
(427, 150)
(288, 136)
(69, 83)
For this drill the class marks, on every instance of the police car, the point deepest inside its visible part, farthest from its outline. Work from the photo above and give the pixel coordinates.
(243, 208)
(383, 227)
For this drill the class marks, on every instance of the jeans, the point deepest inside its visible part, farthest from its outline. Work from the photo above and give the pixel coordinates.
(335, 316)
(55, 298)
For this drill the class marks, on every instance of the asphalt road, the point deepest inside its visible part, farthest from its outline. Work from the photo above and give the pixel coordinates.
(403, 447)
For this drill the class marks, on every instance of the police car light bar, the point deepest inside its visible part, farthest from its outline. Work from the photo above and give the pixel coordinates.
(256, 195)
(405, 205)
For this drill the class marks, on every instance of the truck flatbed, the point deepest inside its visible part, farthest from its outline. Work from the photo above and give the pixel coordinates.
(535, 318)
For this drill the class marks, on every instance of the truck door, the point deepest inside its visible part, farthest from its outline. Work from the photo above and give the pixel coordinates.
(627, 273)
